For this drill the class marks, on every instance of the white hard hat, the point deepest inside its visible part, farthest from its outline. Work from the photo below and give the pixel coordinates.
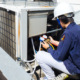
(63, 8)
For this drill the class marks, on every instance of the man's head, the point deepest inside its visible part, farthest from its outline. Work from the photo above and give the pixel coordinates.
(64, 11)
(64, 21)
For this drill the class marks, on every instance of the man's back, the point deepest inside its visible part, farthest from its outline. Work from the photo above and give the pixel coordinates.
(74, 50)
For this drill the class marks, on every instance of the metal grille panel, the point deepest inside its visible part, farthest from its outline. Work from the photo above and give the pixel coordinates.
(8, 32)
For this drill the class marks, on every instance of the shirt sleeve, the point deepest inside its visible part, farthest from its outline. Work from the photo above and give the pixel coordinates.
(62, 50)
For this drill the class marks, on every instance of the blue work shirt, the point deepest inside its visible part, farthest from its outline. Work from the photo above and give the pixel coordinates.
(68, 49)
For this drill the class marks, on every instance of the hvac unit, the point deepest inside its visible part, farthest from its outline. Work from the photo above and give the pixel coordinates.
(18, 25)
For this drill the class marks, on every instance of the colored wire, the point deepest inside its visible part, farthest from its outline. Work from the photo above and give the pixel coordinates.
(52, 46)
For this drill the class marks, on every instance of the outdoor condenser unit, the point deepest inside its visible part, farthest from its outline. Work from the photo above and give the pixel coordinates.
(17, 24)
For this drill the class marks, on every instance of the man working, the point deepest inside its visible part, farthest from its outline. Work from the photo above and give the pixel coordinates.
(67, 56)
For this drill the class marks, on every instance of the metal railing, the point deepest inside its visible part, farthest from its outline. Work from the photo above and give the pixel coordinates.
(30, 2)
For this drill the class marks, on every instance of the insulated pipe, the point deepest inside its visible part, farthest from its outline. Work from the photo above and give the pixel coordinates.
(33, 45)
(27, 62)
(40, 46)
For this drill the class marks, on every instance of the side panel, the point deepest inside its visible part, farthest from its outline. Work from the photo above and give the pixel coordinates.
(23, 35)
(16, 23)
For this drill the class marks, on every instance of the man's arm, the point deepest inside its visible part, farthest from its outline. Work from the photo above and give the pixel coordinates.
(62, 50)
(54, 42)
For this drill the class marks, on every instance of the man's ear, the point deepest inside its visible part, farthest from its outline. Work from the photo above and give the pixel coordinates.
(62, 24)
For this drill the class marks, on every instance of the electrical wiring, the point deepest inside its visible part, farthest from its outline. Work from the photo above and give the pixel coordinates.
(52, 46)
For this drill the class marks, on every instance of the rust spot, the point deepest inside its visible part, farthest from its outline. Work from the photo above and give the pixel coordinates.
(28, 10)
(19, 32)
(46, 6)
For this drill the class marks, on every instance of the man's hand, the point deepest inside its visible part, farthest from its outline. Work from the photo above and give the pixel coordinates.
(45, 45)
(51, 39)
(54, 42)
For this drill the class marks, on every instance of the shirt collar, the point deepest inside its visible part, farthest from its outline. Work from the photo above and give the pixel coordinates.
(70, 25)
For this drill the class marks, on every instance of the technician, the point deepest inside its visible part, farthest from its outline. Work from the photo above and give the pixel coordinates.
(67, 56)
